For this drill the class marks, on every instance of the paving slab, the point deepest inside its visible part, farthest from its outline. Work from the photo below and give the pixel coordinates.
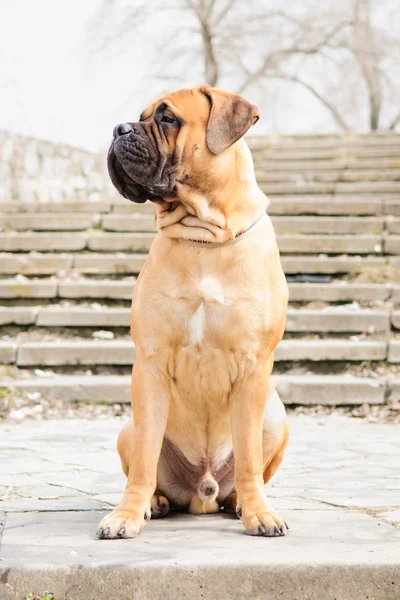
(343, 552)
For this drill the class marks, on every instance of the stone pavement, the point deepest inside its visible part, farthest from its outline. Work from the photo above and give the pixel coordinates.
(339, 488)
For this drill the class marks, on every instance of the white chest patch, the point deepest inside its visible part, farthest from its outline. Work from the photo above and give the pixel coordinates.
(211, 289)
(196, 325)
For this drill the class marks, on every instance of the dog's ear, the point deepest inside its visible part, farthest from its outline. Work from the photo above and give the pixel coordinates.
(230, 117)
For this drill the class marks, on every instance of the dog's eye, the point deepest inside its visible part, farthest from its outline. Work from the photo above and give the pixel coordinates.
(168, 117)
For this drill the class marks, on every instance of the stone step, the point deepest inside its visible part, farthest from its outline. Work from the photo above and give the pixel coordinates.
(392, 244)
(28, 288)
(48, 221)
(329, 244)
(35, 263)
(40, 242)
(345, 140)
(13, 206)
(328, 203)
(141, 242)
(123, 264)
(394, 351)
(392, 224)
(122, 290)
(282, 224)
(335, 164)
(331, 265)
(342, 292)
(122, 352)
(332, 153)
(265, 175)
(146, 223)
(294, 204)
(119, 290)
(336, 319)
(293, 389)
(331, 188)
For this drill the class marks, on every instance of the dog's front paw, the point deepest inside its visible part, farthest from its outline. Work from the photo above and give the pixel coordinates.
(122, 523)
(261, 520)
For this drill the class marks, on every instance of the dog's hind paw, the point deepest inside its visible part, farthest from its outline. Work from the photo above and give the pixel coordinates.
(160, 506)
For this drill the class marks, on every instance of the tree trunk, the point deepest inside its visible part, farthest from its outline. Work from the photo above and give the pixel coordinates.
(210, 62)
(367, 55)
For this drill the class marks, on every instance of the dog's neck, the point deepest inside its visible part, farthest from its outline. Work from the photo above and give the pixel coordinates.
(218, 215)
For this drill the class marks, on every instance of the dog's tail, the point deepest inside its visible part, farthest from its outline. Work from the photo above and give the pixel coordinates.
(208, 488)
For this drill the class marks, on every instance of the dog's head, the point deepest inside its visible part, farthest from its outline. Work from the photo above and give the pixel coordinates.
(177, 140)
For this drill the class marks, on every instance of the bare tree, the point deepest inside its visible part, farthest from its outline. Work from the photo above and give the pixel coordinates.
(241, 44)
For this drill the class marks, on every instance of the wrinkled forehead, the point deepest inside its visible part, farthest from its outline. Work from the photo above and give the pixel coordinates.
(188, 104)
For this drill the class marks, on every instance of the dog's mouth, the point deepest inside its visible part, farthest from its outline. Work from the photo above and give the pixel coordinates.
(125, 184)
(138, 170)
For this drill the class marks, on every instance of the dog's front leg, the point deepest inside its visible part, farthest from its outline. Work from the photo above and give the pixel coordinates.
(150, 403)
(247, 404)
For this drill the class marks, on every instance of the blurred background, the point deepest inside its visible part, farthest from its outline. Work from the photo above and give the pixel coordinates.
(70, 70)
(326, 78)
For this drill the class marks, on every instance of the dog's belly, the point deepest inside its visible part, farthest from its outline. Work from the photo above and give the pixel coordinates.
(199, 422)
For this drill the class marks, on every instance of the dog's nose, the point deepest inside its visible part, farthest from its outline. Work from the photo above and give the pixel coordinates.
(122, 129)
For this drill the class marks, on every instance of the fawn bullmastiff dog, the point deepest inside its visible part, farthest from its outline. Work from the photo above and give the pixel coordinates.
(208, 309)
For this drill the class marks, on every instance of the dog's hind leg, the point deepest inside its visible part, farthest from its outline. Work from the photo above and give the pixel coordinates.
(275, 435)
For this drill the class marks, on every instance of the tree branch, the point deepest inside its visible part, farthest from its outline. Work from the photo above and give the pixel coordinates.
(394, 123)
(334, 112)
(280, 55)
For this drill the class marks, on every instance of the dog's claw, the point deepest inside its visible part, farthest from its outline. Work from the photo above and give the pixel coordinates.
(147, 515)
(103, 534)
(261, 530)
(282, 530)
(239, 512)
(276, 531)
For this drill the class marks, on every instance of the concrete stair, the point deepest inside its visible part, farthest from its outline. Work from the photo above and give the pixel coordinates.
(68, 269)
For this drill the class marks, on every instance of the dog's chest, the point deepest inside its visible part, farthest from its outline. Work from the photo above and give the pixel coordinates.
(218, 325)
(209, 302)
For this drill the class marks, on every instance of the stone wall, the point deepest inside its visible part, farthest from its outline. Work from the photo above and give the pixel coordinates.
(36, 170)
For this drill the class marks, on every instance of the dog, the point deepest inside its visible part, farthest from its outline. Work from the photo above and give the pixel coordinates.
(208, 428)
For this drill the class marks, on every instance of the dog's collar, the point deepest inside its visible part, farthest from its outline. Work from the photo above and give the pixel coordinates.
(240, 236)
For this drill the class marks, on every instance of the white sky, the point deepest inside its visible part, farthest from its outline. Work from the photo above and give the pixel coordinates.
(51, 88)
